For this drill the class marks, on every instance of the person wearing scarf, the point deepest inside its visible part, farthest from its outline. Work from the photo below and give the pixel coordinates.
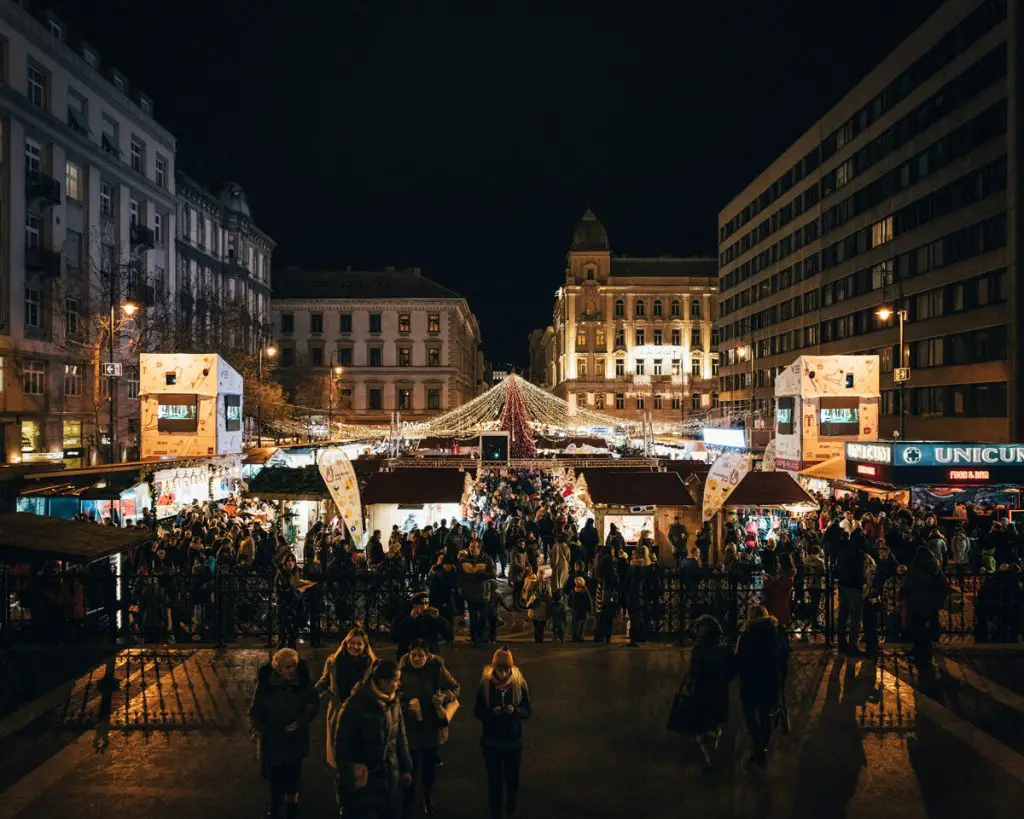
(502, 703)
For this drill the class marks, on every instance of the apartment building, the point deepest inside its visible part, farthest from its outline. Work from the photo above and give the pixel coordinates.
(368, 344)
(898, 207)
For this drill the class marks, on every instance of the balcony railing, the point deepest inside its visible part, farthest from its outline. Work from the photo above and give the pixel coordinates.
(41, 191)
(142, 237)
(44, 262)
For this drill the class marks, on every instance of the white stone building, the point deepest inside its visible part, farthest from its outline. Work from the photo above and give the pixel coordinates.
(368, 344)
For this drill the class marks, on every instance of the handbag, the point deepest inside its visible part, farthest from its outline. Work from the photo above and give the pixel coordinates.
(684, 718)
(446, 713)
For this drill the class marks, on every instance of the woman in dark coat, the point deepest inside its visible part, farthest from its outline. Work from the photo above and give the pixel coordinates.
(427, 692)
(284, 705)
(924, 590)
(759, 663)
(712, 667)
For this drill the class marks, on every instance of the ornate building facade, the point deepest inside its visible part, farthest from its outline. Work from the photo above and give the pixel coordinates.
(367, 344)
(630, 335)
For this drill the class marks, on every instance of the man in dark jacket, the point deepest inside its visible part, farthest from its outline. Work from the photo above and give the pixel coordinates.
(493, 548)
(374, 551)
(759, 661)
(371, 749)
(851, 578)
(475, 572)
(589, 539)
(421, 622)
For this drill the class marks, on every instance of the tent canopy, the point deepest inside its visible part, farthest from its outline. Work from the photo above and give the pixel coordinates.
(834, 469)
(415, 486)
(618, 488)
(766, 489)
(23, 536)
(83, 487)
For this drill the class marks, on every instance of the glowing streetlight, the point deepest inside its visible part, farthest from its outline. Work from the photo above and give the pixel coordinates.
(271, 351)
(129, 308)
(884, 313)
(901, 373)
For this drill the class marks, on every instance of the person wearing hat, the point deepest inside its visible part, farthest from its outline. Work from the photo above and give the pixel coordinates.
(371, 749)
(421, 622)
(502, 703)
(582, 604)
(759, 662)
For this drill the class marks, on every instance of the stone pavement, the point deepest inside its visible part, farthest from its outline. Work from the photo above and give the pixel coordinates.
(869, 739)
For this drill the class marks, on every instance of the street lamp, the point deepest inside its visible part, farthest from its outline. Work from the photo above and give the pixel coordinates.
(900, 373)
(269, 351)
(129, 309)
(746, 353)
(336, 373)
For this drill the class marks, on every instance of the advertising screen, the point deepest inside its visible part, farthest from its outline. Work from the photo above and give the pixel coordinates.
(630, 526)
(735, 438)
(232, 412)
(177, 413)
(838, 416)
(784, 415)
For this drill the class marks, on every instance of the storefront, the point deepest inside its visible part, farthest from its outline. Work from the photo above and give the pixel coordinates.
(640, 502)
(413, 498)
(941, 474)
(119, 495)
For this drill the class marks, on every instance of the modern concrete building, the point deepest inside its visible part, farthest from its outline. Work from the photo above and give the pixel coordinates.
(367, 344)
(87, 217)
(902, 199)
(630, 335)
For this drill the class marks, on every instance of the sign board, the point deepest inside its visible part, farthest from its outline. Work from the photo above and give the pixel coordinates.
(658, 351)
(724, 476)
(340, 477)
(494, 447)
(732, 438)
(920, 463)
(112, 369)
(901, 375)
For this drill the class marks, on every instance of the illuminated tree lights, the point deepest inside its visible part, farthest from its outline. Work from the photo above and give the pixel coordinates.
(515, 422)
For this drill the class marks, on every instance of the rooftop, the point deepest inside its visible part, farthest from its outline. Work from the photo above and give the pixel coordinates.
(691, 267)
(407, 283)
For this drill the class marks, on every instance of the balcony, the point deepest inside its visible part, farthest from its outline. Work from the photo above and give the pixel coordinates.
(46, 263)
(42, 192)
(141, 238)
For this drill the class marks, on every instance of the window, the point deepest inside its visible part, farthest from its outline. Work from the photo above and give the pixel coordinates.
(620, 337)
(32, 231)
(33, 156)
(33, 377)
(695, 401)
(640, 337)
(639, 308)
(133, 211)
(316, 356)
(599, 401)
(695, 309)
(677, 337)
(232, 413)
(676, 404)
(657, 401)
(714, 367)
(72, 434)
(376, 357)
(581, 368)
(374, 322)
(37, 84)
(161, 172)
(33, 307)
(641, 402)
(118, 83)
(287, 357)
(599, 368)
(676, 308)
(695, 367)
(676, 366)
(106, 199)
(839, 416)
(73, 180)
(657, 307)
(620, 308)
(31, 436)
(695, 337)
(138, 155)
(375, 395)
(620, 401)
(657, 367)
(316, 322)
(404, 398)
(620, 366)
(657, 337)
(641, 366)
(346, 323)
(72, 319)
(201, 230)
(590, 274)
(287, 322)
(78, 117)
(881, 232)
(714, 336)
(404, 356)
(600, 341)
(404, 323)
(581, 338)
(110, 138)
(345, 356)
(433, 398)
(158, 228)
(434, 323)
(132, 374)
(72, 379)
(433, 357)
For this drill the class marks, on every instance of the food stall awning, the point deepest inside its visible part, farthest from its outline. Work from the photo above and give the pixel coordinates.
(415, 486)
(761, 490)
(24, 536)
(617, 488)
(257, 456)
(84, 487)
(834, 469)
(289, 483)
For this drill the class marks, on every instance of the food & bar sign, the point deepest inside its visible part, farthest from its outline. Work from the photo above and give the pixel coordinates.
(915, 463)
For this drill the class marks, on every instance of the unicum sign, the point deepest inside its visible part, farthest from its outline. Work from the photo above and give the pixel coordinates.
(915, 454)
(875, 453)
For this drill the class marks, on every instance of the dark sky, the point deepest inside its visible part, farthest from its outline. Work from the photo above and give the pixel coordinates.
(471, 145)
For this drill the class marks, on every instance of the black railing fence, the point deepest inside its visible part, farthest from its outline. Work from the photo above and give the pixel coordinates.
(224, 607)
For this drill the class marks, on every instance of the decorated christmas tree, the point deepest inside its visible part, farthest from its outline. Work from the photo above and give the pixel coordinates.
(514, 420)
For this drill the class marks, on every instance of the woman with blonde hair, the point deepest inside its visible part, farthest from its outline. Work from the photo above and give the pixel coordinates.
(343, 671)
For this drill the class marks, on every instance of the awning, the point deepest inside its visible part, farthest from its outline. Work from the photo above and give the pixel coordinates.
(617, 488)
(415, 486)
(257, 456)
(84, 487)
(761, 490)
(289, 483)
(24, 536)
(833, 469)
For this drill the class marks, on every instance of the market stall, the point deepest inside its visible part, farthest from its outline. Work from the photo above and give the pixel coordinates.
(769, 501)
(413, 497)
(639, 501)
(117, 493)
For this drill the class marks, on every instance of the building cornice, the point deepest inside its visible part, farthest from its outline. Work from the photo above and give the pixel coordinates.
(341, 304)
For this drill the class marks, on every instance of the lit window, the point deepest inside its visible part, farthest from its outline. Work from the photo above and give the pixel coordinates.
(640, 308)
(581, 338)
(620, 308)
(404, 323)
(599, 340)
(73, 176)
(434, 323)
(881, 232)
(72, 379)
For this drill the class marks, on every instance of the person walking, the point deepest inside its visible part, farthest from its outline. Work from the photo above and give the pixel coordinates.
(559, 562)
(283, 706)
(502, 704)
(712, 667)
(581, 604)
(923, 591)
(851, 577)
(538, 607)
(476, 570)
(759, 665)
(518, 562)
(429, 695)
(589, 539)
(371, 747)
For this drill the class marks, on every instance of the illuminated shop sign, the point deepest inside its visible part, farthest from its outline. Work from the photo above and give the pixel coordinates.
(970, 475)
(876, 453)
(918, 463)
(958, 454)
(735, 438)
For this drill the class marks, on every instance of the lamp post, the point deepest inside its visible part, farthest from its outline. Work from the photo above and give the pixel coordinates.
(336, 371)
(130, 310)
(901, 376)
(747, 352)
(270, 352)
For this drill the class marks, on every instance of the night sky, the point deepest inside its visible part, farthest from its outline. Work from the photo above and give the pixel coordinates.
(470, 146)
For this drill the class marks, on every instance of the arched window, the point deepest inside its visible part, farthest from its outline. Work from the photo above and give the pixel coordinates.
(620, 308)
(590, 307)
(640, 308)
(677, 308)
(590, 274)
(657, 307)
(695, 308)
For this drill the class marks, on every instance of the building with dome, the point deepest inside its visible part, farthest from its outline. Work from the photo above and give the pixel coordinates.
(630, 335)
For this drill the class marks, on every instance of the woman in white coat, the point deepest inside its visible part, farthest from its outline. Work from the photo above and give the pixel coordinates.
(559, 563)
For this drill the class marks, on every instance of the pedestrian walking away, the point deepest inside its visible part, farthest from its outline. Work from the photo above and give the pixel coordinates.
(759, 664)
(343, 671)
